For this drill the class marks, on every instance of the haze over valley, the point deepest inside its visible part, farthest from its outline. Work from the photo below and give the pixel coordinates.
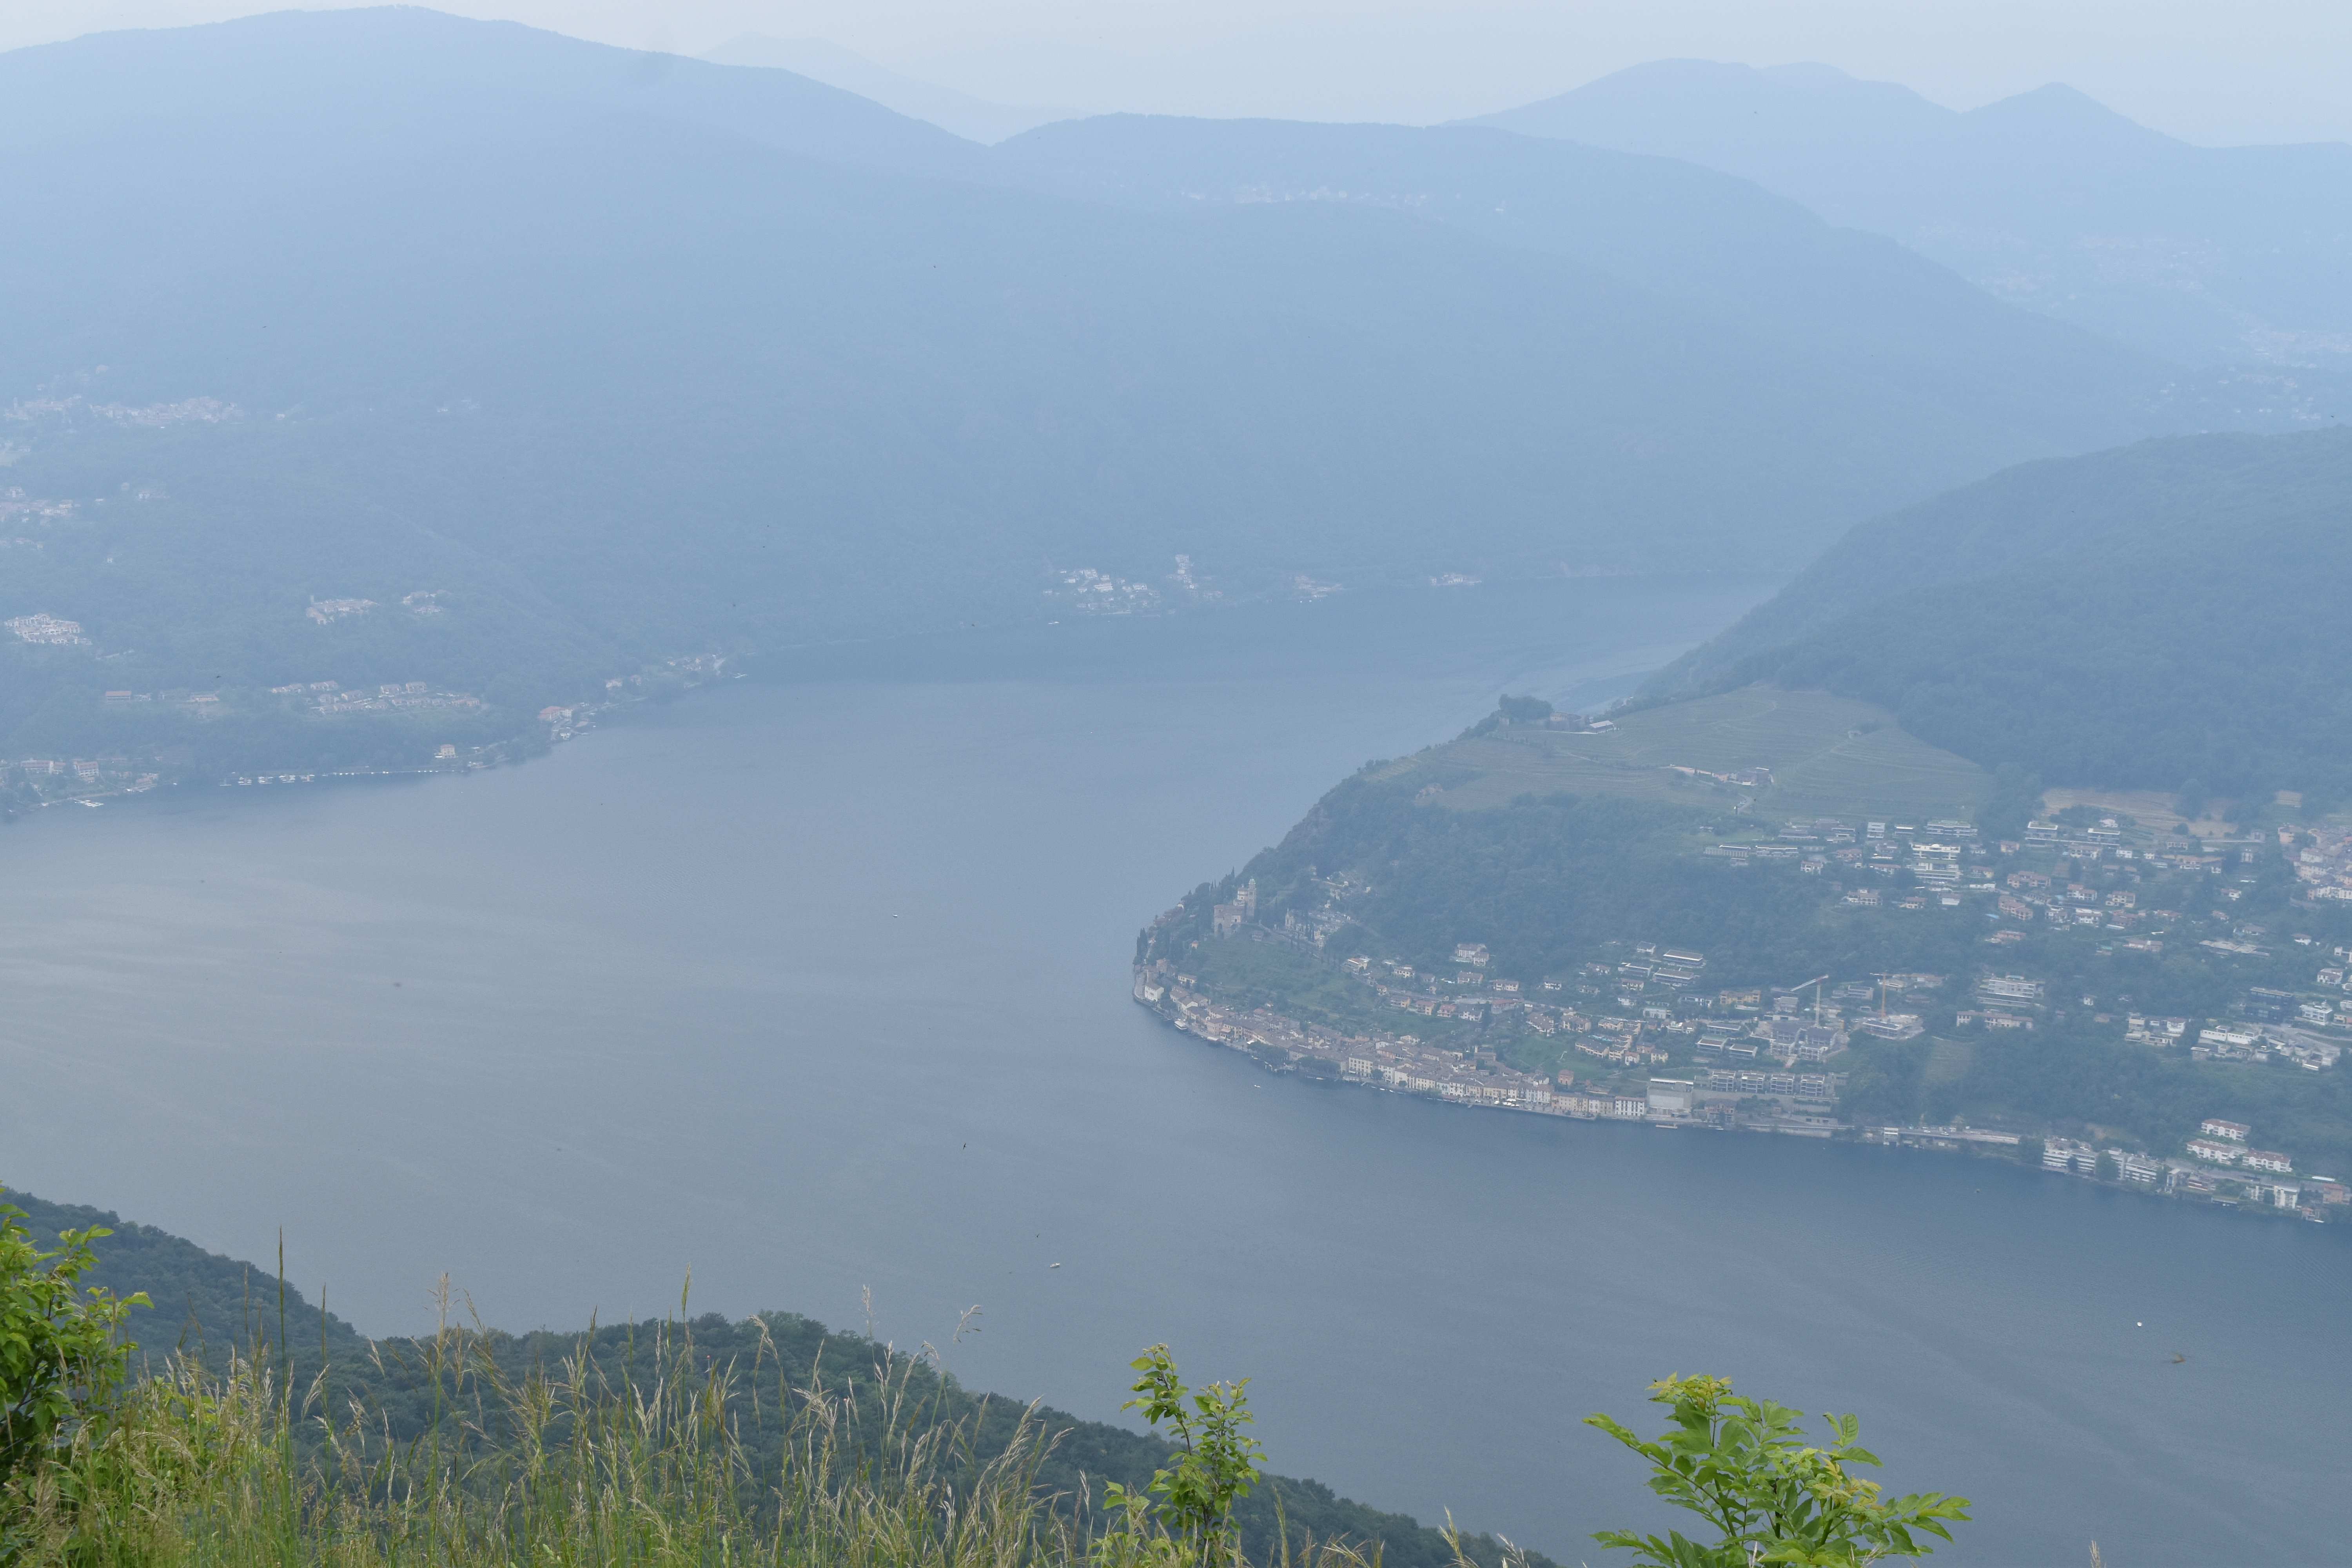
(615, 664)
(617, 363)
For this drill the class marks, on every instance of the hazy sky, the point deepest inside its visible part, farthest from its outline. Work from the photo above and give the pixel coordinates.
(2210, 70)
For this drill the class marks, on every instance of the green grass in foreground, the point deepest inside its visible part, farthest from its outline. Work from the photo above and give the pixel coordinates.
(585, 1461)
(208, 1307)
(570, 1465)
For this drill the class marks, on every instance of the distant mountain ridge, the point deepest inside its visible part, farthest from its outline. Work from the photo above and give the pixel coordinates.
(394, 71)
(975, 118)
(2047, 199)
(2164, 613)
(614, 356)
(1757, 263)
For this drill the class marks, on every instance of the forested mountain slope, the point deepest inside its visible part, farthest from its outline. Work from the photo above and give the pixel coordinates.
(2168, 613)
(2046, 199)
(1757, 263)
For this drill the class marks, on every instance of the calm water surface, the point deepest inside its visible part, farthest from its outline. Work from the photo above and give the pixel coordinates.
(817, 985)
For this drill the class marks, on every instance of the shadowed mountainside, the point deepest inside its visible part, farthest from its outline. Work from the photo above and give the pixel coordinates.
(205, 1303)
(2166, 613)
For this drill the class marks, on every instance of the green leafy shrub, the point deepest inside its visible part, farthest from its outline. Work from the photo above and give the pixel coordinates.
(1743, 1467)
(62, 1358)
(1185, 1512)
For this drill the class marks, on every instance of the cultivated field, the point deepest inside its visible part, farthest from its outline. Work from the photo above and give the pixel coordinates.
(2149, 808)
(1829, 756)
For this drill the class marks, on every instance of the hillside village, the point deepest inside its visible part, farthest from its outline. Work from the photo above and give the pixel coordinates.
(1645, 1030)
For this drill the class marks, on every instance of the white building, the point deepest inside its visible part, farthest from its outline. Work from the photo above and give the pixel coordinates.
(1671, 1096)
(2011, 987)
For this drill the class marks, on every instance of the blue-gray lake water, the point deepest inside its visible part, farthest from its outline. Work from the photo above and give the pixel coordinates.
(817, 985)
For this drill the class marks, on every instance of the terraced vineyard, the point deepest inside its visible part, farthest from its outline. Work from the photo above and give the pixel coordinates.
(1827, 755)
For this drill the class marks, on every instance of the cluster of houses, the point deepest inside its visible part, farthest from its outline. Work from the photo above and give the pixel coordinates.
(1646, 1006)
(1093, 593)
(2066, 1155)
(1655, 1015)
(2222, 1165)
(2324, 865)
(1938, 854)
(2070, 883)
(1790, 1101)
(1758, 1055)
(2061, 899)
(2224, 1143)
(1947, 861)
(2335, 975)
(564, 720)
(2231, 1040)
(18, 510)
(326, 612)
(60, 778)
(1471, 1073)
(1751, 1082)
(1403, 1062)
(2035, 894)
(325, 697)
(49, 631)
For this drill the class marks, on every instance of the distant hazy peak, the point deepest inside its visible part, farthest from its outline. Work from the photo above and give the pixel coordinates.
(1806, 76)
(2055, 106)
(1694, 109)
(800, 55)
(405, 63)
(2046, 199)
(1668, 106)
(823, 61)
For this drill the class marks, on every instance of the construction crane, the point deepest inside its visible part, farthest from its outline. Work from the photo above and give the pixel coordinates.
(1816, 984)
(1882, 979)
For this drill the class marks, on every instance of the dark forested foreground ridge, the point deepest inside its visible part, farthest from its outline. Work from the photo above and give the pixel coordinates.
(2168, 617)
(700, 1441)
(1550, 916)
(399, 377)
(210, 1306)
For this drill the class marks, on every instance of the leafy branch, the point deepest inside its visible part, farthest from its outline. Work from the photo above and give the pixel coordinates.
(1744, 1466)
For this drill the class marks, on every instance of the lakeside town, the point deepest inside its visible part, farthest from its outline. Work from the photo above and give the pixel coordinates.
(2219, 1165)
(32, 782)
(1638, 1033)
